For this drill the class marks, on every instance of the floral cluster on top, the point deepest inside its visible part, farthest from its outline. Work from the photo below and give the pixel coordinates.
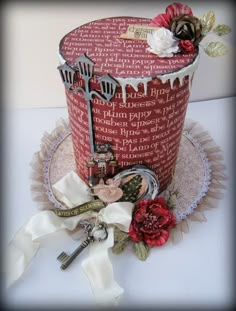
(180, 31)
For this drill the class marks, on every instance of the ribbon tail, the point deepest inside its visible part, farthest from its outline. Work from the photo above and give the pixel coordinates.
(99, 271)
(27, 240)
(20, 252)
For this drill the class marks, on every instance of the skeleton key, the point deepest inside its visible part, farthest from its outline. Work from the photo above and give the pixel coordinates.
(97, 233)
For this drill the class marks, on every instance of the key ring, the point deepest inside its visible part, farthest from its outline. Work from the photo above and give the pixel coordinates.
(99, 232)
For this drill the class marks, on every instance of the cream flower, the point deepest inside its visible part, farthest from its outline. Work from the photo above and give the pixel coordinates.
(162, 43)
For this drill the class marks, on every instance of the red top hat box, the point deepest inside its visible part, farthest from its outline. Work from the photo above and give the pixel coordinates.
(127, 83)
(126, 104)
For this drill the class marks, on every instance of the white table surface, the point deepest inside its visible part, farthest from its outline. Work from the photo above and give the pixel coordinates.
(196, 272)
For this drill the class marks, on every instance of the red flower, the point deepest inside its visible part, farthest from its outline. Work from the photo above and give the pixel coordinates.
(186, 46)
(172, 11)
(161, 20)
(176, 9)
(151, 222)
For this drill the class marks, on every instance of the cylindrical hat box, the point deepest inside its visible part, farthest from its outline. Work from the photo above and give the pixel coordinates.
(143, 122)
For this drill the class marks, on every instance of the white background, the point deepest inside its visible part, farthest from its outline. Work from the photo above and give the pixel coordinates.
(32, 31)
(196, 272)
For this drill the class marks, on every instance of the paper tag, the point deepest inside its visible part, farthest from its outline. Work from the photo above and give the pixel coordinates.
(137, 32)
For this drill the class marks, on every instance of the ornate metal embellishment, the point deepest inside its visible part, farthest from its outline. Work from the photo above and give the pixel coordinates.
(85, 67)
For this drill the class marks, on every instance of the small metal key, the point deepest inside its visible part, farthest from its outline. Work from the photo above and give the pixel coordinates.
(93, 235)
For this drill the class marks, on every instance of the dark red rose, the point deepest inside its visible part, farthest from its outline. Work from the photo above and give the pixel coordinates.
(151, 222)
(186, 46)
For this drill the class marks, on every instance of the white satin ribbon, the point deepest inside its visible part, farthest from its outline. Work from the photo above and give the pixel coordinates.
(28, 239)
(72, 190)
(97, 266)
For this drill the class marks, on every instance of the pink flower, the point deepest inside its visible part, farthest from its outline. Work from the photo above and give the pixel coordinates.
(172, 11)
(108, 193)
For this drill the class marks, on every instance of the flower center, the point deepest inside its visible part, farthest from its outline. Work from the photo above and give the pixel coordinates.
(152, 222)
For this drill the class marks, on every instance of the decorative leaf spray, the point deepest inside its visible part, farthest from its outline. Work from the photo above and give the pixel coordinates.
(187, 31)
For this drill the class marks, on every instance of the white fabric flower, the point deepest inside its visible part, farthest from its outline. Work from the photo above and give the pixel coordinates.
(162, 43)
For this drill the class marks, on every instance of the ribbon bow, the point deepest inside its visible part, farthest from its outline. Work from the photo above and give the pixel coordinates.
(97, 265)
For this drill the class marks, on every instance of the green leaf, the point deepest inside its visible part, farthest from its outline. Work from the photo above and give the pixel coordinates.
(222, 30)
(119, 247)
(215, 49)
(120, 235)
(171, 202)
(141, 250)
(208, 22)
(120, 241)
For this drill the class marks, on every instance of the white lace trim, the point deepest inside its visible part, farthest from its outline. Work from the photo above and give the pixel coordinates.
(46, 169)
